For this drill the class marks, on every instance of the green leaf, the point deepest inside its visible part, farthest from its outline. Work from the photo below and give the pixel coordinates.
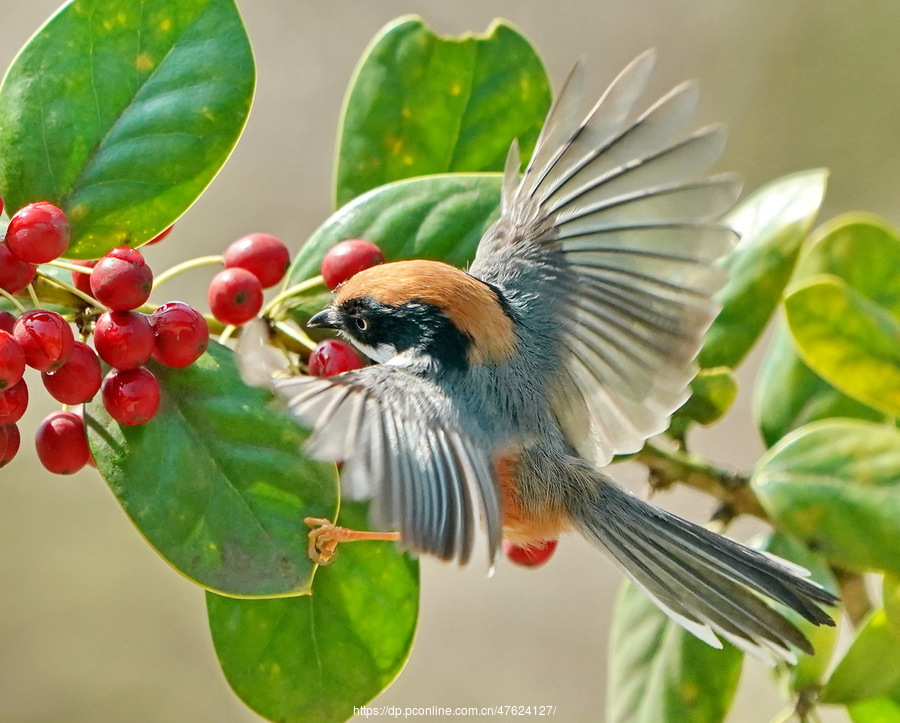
(713, 391)
(788, 394)
(810, 669)
(421, 104)
(848, 340)
(890, 595)
(772, 223)
(835, 485)
(660, 672)
(436, 217)
(217, 481)
(861, 249)
(876, 710)
(870, 668)
(315, 657)
(123, 112)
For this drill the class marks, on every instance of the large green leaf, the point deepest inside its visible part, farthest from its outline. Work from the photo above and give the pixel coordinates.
(810, 669)
(122, 112)
(871, 666)
(890, 595)
(772, 223)
(835, 485)
(864, 251)
(435, 217)
(217, 481)
(420, 104)
(315, 657)
(876, 710)
(660, 672)
(847, 339)
(788, 394)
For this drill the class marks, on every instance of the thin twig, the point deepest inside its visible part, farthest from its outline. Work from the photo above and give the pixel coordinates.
(670, 466)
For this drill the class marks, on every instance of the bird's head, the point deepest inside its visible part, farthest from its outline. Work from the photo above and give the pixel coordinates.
(424, 310)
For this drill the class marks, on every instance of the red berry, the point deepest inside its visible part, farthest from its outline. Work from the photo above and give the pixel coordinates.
(7, 321)
(81, 281)
(333, 356)
(9, 443)
(180, 334)
(529, 555)
(348, 258)
(235, 296)
(121, 279)
(13, 403)
(15, 274)
(123, 339)
(160, 236)
(131, 396)
(61, 443)
(12, 360)
(38, 233)
(45, 337)
(78, 380)
(262, 255)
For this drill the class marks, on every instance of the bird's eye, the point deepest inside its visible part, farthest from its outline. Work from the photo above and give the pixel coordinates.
(361, 323)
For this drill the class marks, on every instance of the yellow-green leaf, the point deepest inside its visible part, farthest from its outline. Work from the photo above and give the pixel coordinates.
(864, 251)
(835, 485)
(870, 668)
(848, 340)
(890, 595)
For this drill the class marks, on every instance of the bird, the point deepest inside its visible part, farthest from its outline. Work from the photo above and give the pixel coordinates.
(499, 393)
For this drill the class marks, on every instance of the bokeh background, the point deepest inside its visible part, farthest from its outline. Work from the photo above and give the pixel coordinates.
(94, 627)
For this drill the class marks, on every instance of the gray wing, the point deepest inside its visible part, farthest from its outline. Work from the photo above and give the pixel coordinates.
(401, 449)
(619, 210)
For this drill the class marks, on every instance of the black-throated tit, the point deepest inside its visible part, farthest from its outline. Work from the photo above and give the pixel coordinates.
(501, 391)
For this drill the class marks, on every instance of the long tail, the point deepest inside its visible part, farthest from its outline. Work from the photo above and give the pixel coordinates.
(705, 582)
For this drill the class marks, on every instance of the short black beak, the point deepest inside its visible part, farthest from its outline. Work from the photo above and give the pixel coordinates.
(326, 319)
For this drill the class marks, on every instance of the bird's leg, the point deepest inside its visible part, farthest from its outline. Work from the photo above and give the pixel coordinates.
(325, 536)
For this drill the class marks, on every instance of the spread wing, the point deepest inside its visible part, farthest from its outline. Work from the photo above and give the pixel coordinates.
(616, 212)
(400, 448)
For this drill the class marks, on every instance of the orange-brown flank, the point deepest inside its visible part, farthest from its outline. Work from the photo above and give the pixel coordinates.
(471, 305)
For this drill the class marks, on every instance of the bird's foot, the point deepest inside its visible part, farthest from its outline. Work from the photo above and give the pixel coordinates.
(324, 537)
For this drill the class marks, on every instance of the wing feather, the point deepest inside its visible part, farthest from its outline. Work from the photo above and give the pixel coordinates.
(618, 205)
(397, 436)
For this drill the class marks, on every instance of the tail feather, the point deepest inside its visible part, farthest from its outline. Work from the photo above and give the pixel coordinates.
(724, 604)
(705, 582)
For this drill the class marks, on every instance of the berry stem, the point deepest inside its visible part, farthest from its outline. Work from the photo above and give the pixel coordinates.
(68, 288)
(35, 302)
(290, 291)
(227, 333)
(187, 266)
(12, 300)
(68, 266)
(295, 334)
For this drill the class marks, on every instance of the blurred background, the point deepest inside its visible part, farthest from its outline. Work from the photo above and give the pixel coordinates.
(94, 626)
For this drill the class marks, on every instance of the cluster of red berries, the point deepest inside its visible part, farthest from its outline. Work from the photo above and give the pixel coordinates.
(175, 335)
(252, 263)
(343, 260)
